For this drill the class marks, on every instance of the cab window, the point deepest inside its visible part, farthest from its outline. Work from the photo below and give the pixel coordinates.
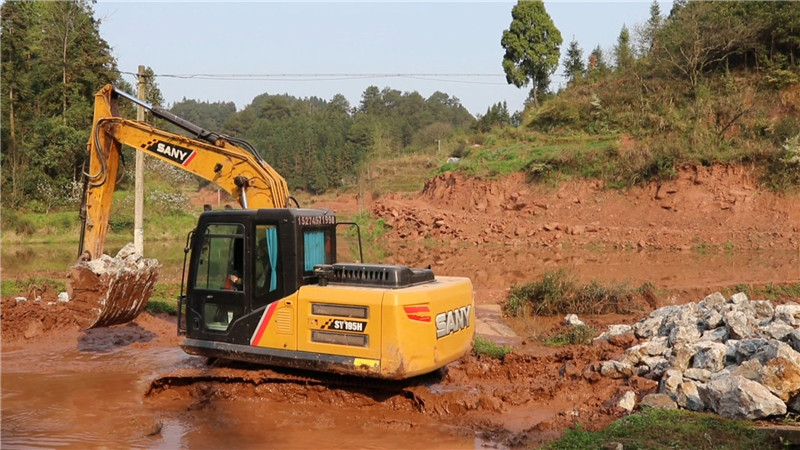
(266, 261)
(316, 248)
(220, 263)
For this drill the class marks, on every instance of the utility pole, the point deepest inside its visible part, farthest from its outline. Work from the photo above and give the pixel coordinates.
(138, 210)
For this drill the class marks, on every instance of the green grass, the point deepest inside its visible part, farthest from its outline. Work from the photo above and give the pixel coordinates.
(770, 291)
(32, 285)
(162, 307)
(372, 229)
(559, 293)
(372, 232)
(578, 335)
(64, 226)
(8, 288)
(541, 158)
(166, 292)
(606, 129)
(774, 292)
(164, 298)
(40, 227)
(659, 429)
(485, 347)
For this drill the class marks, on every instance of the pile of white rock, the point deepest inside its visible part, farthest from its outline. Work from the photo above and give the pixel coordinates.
(736, 357)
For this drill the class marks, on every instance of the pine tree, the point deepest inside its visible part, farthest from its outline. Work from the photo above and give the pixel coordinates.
(573, 65)
(597, 61)
(654, 23)
(623, 55)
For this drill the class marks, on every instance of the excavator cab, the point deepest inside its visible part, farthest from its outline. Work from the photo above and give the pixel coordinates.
(272, 252)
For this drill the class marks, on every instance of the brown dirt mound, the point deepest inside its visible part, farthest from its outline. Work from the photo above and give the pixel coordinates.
(30, 319)
(528, 398)
(719, 205)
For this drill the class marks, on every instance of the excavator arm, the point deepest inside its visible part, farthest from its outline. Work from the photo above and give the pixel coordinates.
(108, 291)
(230, 163)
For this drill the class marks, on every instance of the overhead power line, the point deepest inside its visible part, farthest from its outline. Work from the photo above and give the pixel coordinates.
(442, 77)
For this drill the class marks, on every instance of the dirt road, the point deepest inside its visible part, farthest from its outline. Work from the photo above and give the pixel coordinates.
(712, 228)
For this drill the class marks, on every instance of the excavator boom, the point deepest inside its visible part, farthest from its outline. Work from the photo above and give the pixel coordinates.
(237, 169)
(107, 291)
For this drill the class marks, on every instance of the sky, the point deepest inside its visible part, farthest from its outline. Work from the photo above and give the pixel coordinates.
(235, 51)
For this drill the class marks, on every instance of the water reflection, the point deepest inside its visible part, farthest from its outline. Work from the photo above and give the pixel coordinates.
(496, 266)
(19, 259)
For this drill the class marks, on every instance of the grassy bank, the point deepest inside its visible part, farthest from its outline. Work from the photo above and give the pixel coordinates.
(658, 429)
(64, 227)
(559, 293)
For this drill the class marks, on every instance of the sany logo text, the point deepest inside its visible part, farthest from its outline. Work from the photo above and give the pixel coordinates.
(175, 153)
(452, 321)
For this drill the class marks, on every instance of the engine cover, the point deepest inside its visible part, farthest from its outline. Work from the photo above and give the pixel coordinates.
(375, 275)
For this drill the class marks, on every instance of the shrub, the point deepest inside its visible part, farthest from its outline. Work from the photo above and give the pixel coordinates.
(558, 293)
(161, 307)
(577, 335)
(12, 220)
(783, 171)
(121, 223)
(485, 347)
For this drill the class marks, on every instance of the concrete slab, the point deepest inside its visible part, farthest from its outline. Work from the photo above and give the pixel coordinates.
(489, 324)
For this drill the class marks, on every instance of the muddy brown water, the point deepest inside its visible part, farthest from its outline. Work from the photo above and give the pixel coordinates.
(86, 390)
(497, 266)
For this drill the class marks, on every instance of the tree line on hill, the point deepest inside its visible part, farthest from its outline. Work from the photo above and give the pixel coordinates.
(710, 82)
(54, 60)
(676, 78)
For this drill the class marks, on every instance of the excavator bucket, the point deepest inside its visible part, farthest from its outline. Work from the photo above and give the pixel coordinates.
(110, 291)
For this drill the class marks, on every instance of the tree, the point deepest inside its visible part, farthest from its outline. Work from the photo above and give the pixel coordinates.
(677, 6)
(54, 61)
(573, 65)
(598, 67)
(497, 114)
(701, 35)
(532, 44)
(654, 23)
(18, 20)
(623, 55)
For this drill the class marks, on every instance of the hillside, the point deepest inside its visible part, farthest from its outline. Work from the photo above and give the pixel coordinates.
(710, 228)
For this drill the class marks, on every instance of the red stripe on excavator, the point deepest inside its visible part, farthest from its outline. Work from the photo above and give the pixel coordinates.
(189, 159)
(262, 324)
(419, 318)
(411, 312)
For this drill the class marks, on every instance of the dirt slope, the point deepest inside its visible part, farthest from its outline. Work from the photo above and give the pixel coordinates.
(704, 205)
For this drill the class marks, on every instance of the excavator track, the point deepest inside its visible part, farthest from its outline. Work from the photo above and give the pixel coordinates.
(430, 394)
(234, 373)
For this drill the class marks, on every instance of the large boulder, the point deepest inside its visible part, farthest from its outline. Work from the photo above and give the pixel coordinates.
(737, 397)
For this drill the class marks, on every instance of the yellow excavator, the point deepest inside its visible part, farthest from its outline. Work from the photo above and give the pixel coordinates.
(262, 284)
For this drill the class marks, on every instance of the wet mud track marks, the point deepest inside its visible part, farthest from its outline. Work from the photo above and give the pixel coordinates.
(526, 399)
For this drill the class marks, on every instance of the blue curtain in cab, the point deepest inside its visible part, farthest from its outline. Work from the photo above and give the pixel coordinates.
(272, 250)
(314, 243)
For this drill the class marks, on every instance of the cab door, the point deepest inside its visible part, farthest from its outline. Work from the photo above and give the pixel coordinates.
(273, 302)
(217, 294)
